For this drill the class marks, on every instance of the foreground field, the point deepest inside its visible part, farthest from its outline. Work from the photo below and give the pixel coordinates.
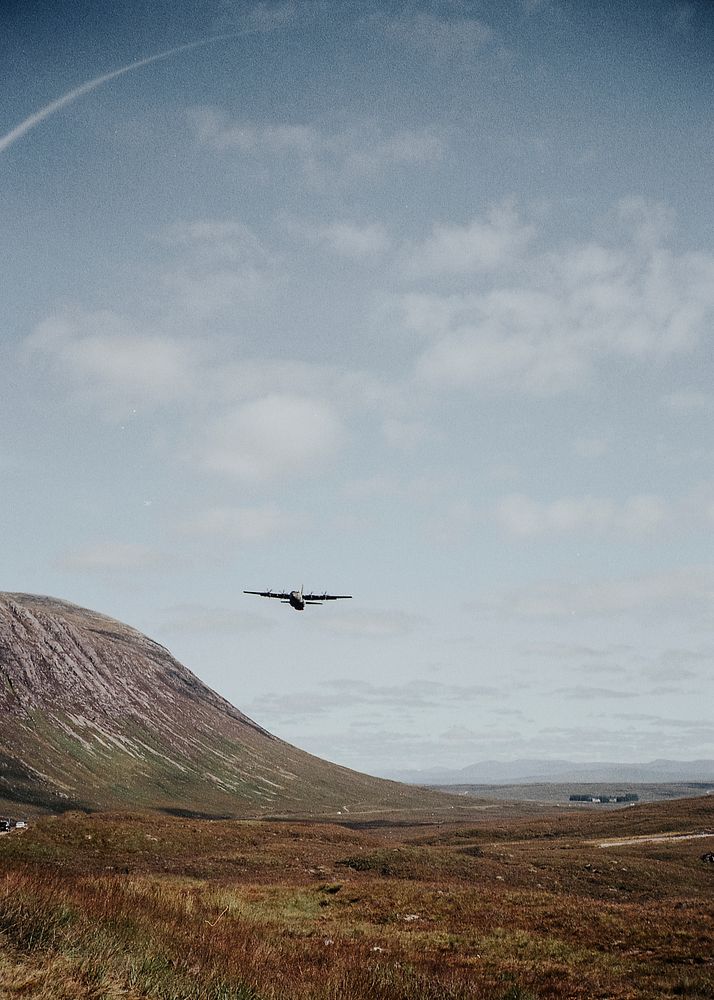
(499, 908)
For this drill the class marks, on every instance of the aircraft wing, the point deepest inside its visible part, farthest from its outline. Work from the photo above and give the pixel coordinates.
(319, 598)
(268, 593)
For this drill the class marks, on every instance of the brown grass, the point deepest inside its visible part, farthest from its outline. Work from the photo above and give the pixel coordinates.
(147, 906)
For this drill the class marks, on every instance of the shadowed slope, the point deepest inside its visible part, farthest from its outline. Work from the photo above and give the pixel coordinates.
(97, 715)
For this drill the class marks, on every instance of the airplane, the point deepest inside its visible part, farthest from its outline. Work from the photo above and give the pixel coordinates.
(296, 599)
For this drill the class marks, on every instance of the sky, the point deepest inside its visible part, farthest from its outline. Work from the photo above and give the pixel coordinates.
(408, 301)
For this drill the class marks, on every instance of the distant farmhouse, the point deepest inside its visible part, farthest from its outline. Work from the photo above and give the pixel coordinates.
(629, 797)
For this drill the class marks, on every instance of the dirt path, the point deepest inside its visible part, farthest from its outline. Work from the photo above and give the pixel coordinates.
(662, 838)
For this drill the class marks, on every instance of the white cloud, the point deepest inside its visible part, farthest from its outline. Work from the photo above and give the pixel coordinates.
(577, 651)
(522, 516)
(353, 240)
(649, 222)
(492, 359)
(100, 353)
(216, 239)
(444, 37)
(548, 323)
(372, 152)
(201, 619)
(686, 593)
(341, 388)
(352, 152)
(587, 692)
(481, 245)
(679, 664)
(371, 624)
(414, 489)
(426, 314)
(199, 295)
(109, 557)
(336, 694)
(107, 358)
(249, 379)
(214, 128)
(691, 401)
(219, 264)
(271, 437)
(241, 524)
(252, 419)
(260, 17)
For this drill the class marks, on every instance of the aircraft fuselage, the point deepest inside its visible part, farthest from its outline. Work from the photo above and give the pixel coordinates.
(296, 600)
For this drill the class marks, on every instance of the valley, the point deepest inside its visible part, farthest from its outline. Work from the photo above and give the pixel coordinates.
(176, 850)
(502, 905)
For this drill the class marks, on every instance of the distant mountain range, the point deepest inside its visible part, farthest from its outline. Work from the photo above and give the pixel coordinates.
(95, 715)
(530, 772)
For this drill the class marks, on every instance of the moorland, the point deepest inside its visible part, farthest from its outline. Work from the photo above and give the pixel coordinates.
(505, 905)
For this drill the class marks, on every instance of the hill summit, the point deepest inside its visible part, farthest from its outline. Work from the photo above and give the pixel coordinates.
(98, 716)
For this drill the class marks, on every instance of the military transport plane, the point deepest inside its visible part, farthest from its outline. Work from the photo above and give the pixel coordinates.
(296, 599)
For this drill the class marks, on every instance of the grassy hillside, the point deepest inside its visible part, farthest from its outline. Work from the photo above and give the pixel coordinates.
(98, 716)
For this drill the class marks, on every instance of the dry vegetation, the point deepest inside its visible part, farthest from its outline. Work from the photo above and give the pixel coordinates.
(135, 906)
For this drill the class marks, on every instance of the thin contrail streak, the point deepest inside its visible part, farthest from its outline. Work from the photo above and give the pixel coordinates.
(61, 102)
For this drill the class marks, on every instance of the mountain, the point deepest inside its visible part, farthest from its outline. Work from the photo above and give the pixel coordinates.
(525, 772)
(96, 715)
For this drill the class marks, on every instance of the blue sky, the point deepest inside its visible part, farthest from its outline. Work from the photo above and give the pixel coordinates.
(408, 301)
